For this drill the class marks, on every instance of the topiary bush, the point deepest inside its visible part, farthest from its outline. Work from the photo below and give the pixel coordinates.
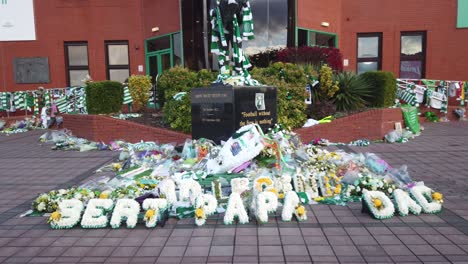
(139, 87)
(178, 113)
(354, 91)
(104, 97)
(383, 86)
(290, 80)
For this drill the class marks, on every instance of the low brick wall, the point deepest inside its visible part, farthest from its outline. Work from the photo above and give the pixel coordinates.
(104, 128)
(372, 125)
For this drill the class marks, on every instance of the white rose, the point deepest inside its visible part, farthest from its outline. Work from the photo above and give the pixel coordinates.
(62, 192)
(390, 190)
(374, 188)
(41, 207)
(91, 195)
(78, 196)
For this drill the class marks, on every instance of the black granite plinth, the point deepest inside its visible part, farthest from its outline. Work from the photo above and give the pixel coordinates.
(218, 111)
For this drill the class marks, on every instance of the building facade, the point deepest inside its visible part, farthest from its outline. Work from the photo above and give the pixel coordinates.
(112, 39)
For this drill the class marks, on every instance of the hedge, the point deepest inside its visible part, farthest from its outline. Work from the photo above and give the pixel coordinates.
(384, 88)
(104, 97)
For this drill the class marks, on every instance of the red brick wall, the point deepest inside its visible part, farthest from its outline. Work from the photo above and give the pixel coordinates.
(311, 14)
(372, 125)
(94, 21)
(447, 49)
(103, 128)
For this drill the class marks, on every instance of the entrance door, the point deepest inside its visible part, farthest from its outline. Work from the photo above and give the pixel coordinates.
(158, 62)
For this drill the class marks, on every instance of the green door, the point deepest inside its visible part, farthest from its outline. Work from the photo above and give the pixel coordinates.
(158, 62)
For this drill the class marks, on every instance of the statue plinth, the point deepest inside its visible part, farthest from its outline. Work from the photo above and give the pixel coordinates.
(218, 111)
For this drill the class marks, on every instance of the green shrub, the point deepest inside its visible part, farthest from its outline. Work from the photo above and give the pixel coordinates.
(354, 93)
(139, 87)
(104, 97)
(291, 81)
(383, 86)
(328, 87)
(178, 113)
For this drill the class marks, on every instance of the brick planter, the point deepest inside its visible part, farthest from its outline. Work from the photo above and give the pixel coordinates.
(104, 128)
(372, 125)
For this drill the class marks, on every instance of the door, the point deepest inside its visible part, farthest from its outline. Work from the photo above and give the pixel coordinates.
(156, 63)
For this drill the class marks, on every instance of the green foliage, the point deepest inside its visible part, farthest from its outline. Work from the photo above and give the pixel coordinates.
(383, 86)
(290, 80)
(178, 113)
(354, 93)
(139, 87)
(328, 87)
(104, 97)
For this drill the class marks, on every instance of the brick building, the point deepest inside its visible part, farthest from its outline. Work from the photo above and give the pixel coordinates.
(110, 39)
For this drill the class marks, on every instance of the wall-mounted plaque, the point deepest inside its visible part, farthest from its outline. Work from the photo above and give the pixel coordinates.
(31, 70)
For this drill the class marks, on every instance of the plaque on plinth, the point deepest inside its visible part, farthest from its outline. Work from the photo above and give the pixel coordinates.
(218, 111)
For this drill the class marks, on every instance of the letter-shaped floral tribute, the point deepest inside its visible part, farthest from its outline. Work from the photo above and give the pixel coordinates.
(267, 202)
(379, 205)
(189, 190)
(68, 214)
(293, 206)
(404, 204)
(235, 208)
(125, 209)
(205, 205)
(95, 215)
(239, 185)
(167, 188)
(430, 202)
(153, 207)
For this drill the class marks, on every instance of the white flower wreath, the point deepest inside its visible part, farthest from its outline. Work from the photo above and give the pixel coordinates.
(68, 214)
(423, 196)
(95, 215)
(205, 205)
(125, 209)
(379, 205)
(167, 188)
(239, 185)
(404, 204)
(235, 208)
(292, 206)
(189, 189)
(267, 202)
(153, 207)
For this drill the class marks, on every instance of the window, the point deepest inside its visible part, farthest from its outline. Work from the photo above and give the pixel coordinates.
(76, 61)
(307, 37)
(117, 60)
(462, 18)
(369, 52)
(413, 55)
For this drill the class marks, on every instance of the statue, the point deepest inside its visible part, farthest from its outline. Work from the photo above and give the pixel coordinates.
(231, 23)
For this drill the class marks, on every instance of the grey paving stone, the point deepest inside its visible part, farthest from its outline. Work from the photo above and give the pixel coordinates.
(272, 259)
(295, 250)
(412, 239)
(221, 251)
(269, 240)
(76, 251)
(311, 231)
(320, 250)
(316, 240)
(169, 251)
(270, 251)
(178, 241)
(348, 250)
(364, 240)
(292, 240)
(246, 240)
(203, 232)
(387, 239)
(421, 250)
(245, 259)
(223, 241)
(339, 240)
(198, 251)
(449, 249)
(172, 260)
(397, 250)
(245, 251)
(100, 251)
(148, 252)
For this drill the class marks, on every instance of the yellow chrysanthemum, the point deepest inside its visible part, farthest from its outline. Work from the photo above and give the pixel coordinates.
(437, 196)
(150, 214)
(265, 180)
(377, 202)
(329, 192)
(300, 210)
(104, 195)
(55, 216)
(273, 190)
(199, 213)
(281, 195)
(318, 199)
(116, 166)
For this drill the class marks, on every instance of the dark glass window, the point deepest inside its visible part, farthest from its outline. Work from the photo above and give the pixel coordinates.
(413, 55)
(369, 52)
(159, 43)
(76, 62)
(306, 37)
(118, 64)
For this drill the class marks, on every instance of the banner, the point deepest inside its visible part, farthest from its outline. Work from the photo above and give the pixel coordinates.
(17, 20)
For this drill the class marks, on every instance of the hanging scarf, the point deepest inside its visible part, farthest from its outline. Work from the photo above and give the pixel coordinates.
(127, 97)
